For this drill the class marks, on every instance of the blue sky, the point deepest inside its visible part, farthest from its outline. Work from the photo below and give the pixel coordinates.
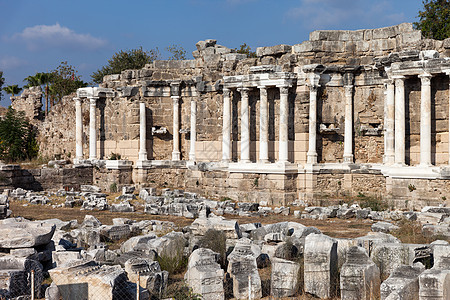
(35, 36)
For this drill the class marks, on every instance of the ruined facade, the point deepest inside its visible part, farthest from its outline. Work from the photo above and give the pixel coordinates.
(343, 113)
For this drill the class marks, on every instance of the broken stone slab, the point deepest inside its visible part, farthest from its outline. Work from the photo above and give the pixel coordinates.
(284, 278)
(131, 243)
(149, 275)
(373, 238)
(435, 230)
(204, 274)
(389, 256)
(342, 249)
(360, 277)
(63, 257)
(15, 276)
(320, 265)
(91, 221)
(403, 283)
(229, 227)
(170, 245)
(430, 218)
(434, 284)
(114, 232)
(25, 234)
(88, 280)
(124, 206)
(90, 189)
(385, 227)
(246, 281)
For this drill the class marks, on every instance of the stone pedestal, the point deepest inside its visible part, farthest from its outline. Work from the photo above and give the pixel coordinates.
(284, 278)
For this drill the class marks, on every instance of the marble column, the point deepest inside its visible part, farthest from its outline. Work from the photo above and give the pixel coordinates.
(348, 132)
(425, 119)
(263, 126)
(142, 132)
(245, 126)
(176, 128)
(226, 126)
(283, 150)
(79, 130)
(399, 120)
(448, 74)
(312, 135)
(193, 131)
(389, 117)
(92, 128)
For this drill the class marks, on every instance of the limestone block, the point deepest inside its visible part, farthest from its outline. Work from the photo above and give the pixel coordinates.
(204, 274)
(284, 278)
(360, 277)
(320, 265)
(62, 257)
(130, 244)
(372, 239)
(403, 283)
(25, 234)
(244, 272)
(229, 227)
(434, 284)
(149, 274)
(274, 50)
(385, 227)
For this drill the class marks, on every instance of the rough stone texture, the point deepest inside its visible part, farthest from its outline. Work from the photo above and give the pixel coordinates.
(204, 274)
(284, 278)
(30, 103)
(360, 277)
(403, 283)
(320, 270)
(25, 234)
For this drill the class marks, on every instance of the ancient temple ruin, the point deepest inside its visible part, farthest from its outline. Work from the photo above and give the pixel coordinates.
(342, 113)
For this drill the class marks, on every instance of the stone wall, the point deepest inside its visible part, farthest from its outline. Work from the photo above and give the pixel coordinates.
(30, 102)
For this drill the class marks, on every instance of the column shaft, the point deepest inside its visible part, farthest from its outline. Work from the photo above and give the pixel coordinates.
(92, 129)
(283, 134)
(245, 126)
(348, 133)
(389, 117)
(425, 120)
(263, 126)
(142, 132)
(226, 126)
(312, 135)
(193, 131)
(79, 130)
(176, 128)
(399, 120)
(448, 74)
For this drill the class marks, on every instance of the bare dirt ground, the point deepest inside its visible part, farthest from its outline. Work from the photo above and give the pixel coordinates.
(333, 227)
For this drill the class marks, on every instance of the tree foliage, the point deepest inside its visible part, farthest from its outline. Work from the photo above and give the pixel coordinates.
(434, 20)
(244, 49)
(2, 81)
(177, 52)
(12, 89)
(64, 81)
(17, 137)
(126, 60)
(41, 79)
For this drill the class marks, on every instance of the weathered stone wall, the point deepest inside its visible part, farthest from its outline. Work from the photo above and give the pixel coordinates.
(30, 102)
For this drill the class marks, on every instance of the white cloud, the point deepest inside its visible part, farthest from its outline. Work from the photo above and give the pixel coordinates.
(330, 14)
(11, 62)
(42, 37)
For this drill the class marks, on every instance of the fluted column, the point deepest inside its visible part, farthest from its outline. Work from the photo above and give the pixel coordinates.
(176, 128)
(389, 116)
(245, 126)
(399, 119)
(193, 131)
(142, 132)
(226, 126)
(283, 134)
(312, 135)
(348, 133)
(263, 126)
(78, 130)
(92, 128)
(425, 120)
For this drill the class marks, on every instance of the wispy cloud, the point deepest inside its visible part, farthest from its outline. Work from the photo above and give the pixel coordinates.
(11, 62)
(41, 37)
(329, 14)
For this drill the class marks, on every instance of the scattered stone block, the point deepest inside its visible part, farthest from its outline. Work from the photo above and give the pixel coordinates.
(403, 283)
(25, 234)
(284, 278)
(360, 277)
(320, 265)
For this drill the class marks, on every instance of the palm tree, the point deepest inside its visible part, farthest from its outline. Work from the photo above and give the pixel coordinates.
(38, 80)
(12, 89)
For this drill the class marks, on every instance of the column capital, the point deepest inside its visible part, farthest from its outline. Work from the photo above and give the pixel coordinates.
(388, 82)
(284, 89)
(263, 90)
(243, 90)
(313, 87)
(348, 78)
(93, 100)
(425, 78)
(175, 98)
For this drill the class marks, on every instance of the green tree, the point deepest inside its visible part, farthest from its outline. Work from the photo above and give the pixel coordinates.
(2, 81)
(244, 49)
(434, 20)
(41, 79)
(126, 60)
(64, 81)
(17, 137)
(178, 52)
(12, 89)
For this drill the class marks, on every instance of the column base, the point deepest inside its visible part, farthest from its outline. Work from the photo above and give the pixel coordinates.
(142, 155)
(244, 161)
(175, 156)
(191, 156)
(425, 165)
(348, 158)
(263, 161)
(389, 159)
(311, 158)
(143, 164)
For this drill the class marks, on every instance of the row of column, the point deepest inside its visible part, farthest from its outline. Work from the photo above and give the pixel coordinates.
(395, 120)
(263, 128)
